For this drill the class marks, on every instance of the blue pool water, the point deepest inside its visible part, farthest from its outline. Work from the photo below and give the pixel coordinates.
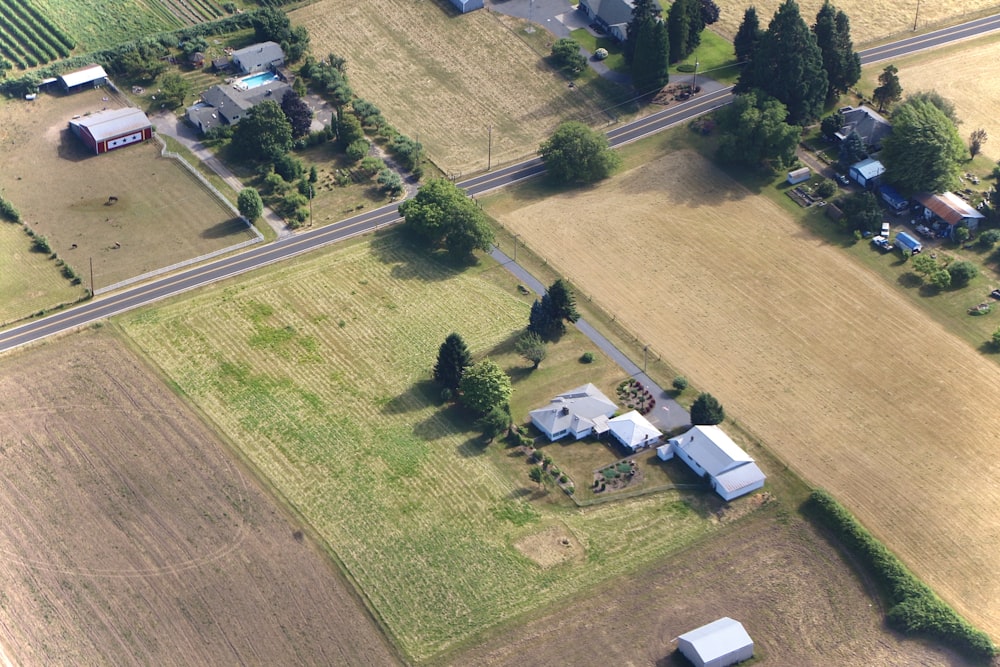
(258, 79)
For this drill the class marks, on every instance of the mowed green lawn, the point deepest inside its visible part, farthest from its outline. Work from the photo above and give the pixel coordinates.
(318, 372)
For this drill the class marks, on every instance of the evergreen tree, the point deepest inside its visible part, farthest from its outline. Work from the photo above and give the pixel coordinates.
(706, 411)
(540, 319)
(696, 25)
(747, 36)
(852, 150)
(788, 65)
(651, 59)
(842, 64)
(831, 125)
(642, 11)
(709, 12)
(562, 302)
(453, 358)
(888, 91)
(679, 29)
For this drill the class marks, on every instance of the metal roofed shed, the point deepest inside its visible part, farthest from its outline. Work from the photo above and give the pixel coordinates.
(892, 198)
(91, 76)
(467, 5)
(719, 644)
(799, 176)
(867, 172)
(907, 243)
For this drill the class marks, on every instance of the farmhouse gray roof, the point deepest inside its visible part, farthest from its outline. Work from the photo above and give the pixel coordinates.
(81, 76)
(257, 56)
(113, 123)
(613, 12)
(869, 124)
(232, 102)
(585, 404)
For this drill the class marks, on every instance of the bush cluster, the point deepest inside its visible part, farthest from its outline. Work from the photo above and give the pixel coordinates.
(915, 609)
(8, 212)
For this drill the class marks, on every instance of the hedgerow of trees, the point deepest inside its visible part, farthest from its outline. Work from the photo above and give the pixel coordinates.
(913, 608)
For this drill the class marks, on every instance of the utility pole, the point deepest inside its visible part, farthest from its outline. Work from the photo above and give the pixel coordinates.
(915, 15)
(694, 82)
(489, 151)
(515, 248)
(645, 350)
(91, 277)
(531, 6)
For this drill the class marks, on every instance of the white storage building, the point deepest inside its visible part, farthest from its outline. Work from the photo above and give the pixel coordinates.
(719, 644)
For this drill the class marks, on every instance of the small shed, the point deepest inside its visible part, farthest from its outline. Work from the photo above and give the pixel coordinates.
(634, 431)
(719, 644)
(906, 242)
(466, 6)
(867, 172)
(950, 209)
(197, 59)
(92, 76)
(799, 176)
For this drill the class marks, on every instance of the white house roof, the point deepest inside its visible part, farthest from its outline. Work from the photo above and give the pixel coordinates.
(742, 477)
(717, 639)
(113, 123)
(85, 75)
(712, 449)
(633, 429)
(869, 168)
(576, 410)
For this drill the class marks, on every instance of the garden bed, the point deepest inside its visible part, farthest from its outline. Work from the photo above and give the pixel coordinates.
(634, 396)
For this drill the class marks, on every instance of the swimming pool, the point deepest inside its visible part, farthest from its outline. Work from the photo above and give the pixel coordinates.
(258, 79)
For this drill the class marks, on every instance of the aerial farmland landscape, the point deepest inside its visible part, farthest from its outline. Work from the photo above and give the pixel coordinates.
(499, 332)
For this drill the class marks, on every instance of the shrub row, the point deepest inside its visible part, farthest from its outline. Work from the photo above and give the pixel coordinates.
(8, 212)
(915, 609)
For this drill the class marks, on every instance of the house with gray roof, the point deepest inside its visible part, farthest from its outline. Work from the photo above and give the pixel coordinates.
(578, 412)
(259, 57)
(612, 15)
(226, 105)
(869, 124)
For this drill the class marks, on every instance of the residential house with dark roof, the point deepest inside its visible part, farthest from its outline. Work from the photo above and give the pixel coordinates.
(869, 124)
(612, 15)
(226, 105)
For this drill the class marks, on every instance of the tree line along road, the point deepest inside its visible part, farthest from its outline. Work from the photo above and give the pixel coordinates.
(162, 288)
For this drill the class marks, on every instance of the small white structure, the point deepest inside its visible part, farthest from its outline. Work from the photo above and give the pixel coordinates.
(578, 412)
(799, 176)
(634, 431)
(719, 644)
(710, 452)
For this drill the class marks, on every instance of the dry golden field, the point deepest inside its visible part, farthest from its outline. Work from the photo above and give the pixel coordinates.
(130, 536)
(871, 20)
(163, 215)
(964, 75)
(843, 377)
(445, 78)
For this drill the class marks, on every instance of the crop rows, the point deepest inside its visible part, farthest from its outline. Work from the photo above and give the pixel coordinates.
(27, 37)
(194, 11)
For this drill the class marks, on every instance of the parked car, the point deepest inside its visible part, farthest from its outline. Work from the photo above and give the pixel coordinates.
(995, 294)
(882, 243)
(885, 229)
(842, 179)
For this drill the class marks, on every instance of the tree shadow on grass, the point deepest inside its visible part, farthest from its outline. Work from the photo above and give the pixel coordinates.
(988, 348)
(414, 398)
(450, 418)
(474, 446)
(518, 374)
(520, 493)
(230, 227)
(674, 659)
(910, 280)
(411, 259)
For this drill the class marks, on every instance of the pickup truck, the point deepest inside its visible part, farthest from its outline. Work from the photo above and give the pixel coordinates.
(882, 243)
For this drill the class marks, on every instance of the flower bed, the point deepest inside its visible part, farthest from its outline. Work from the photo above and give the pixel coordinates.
(634, 396)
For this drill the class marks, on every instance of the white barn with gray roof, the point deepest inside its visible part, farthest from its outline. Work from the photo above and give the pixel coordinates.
(709, 452)
(578, 412)
(719, 644)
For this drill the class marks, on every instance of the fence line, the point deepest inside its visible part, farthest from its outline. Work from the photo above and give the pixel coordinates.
(258, 237)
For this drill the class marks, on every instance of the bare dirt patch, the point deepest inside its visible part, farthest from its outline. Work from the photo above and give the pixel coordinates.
(835, 370)
(130, 537)
(553, 546)
(163, 214)
(445, 78)
(799, 601)
(871, 20)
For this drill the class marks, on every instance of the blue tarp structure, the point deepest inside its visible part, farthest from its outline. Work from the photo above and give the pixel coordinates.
(467, 5)
(906, 242)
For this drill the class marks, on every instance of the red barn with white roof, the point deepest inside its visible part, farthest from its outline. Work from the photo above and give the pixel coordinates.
(111, 129)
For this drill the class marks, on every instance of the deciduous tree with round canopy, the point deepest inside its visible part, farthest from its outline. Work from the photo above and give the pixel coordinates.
(577, 154)
(485, 386)
(264, 134)
(250, 204)
(924, 151)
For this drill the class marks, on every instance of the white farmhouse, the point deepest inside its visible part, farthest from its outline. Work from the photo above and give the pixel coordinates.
(578, 412)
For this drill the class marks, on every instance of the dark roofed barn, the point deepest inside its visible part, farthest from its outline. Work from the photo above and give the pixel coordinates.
(108, 130)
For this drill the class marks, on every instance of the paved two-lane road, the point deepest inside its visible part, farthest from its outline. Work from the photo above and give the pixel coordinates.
(106, 306)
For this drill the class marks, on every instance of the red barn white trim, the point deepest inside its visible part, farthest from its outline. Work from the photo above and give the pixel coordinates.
(108, 130)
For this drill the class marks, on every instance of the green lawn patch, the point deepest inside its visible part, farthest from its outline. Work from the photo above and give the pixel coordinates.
(615, 59)
(716, 60)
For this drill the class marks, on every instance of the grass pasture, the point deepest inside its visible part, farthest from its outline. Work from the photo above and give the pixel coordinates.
(37, 283)
(319, 371)
(131, 537)
(961, 74)
(838, 372)
(445, 78)
(871, 20)
(163, 214)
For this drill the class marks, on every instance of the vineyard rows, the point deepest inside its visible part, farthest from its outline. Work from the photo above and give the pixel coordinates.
(194, 11)
(27, 37)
